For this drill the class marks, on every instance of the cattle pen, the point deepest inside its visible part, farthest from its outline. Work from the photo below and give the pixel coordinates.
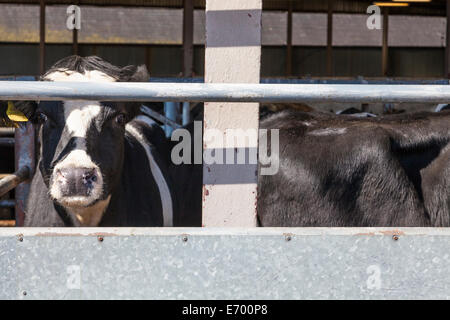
(266, 262)
(228, 258)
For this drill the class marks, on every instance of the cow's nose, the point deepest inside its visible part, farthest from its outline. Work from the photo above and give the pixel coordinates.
(76, 181)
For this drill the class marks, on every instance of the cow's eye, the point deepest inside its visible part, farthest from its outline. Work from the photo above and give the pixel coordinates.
(120, 119)
(41, 117)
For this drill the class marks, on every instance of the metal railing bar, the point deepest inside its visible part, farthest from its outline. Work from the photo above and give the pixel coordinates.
(222, 92)
(7, 223)
(6, 142)
(7, 132)
(156, 115)
(8, 203)
(12, 180)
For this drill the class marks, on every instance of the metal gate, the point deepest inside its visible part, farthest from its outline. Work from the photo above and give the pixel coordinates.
(224, 263)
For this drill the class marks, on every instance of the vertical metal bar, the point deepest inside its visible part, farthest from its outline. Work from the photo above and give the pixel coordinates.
(25, 156)
(186, 116)
(42, 37)
(188, 50)
(385, 50)
(170, 111)
(447, 47)
(6, 142)
(188, 37)
(330, 39)
(289, 40)
(7, 203)
(75, 41)
(75, 35)
(148, 58)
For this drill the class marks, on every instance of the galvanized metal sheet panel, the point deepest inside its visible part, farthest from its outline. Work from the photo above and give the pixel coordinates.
(257, 263)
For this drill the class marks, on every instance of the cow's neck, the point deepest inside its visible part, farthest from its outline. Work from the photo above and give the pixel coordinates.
(90, 216)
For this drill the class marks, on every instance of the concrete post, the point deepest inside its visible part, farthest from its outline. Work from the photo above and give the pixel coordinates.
(233, 55)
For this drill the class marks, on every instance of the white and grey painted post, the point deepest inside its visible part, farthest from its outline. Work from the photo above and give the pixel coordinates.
(233, 55)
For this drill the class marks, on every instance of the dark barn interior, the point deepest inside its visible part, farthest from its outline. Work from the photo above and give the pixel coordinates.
(302, 40)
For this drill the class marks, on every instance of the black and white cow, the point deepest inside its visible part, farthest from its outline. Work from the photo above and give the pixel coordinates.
(100, 163)
(342, 171)
(441, 107)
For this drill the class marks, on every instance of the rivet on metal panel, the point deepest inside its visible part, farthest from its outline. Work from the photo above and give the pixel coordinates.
(288, 238)
(20, 238)
(395, 237)
(24, 293)
(100, 238)
(184, 238)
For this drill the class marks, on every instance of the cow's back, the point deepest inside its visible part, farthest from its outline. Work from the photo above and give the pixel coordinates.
(342, 171)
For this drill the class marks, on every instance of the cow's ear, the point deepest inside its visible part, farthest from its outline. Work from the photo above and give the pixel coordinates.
(12, 113)
(135, 74)
(24, 110)
(138, 74)
(4, 120)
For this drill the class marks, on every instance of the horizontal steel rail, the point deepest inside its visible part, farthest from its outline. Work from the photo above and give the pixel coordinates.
(6, 142)
(7, 203)
(358, 80)
(222, 92)
(224, 263)
(7, 132)
(7, 223)
(13, 180)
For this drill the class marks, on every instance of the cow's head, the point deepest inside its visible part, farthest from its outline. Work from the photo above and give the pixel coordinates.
(82, 142)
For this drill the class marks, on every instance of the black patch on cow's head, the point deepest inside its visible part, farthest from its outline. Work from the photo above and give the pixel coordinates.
(82, 64)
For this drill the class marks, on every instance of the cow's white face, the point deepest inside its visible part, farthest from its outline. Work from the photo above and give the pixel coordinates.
(82, 147)
(76, 180)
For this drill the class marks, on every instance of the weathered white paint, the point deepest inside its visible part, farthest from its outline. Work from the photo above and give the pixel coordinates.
(233, 55)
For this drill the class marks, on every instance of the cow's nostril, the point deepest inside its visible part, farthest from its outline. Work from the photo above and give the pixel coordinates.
(59, 174)
(89, 176)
